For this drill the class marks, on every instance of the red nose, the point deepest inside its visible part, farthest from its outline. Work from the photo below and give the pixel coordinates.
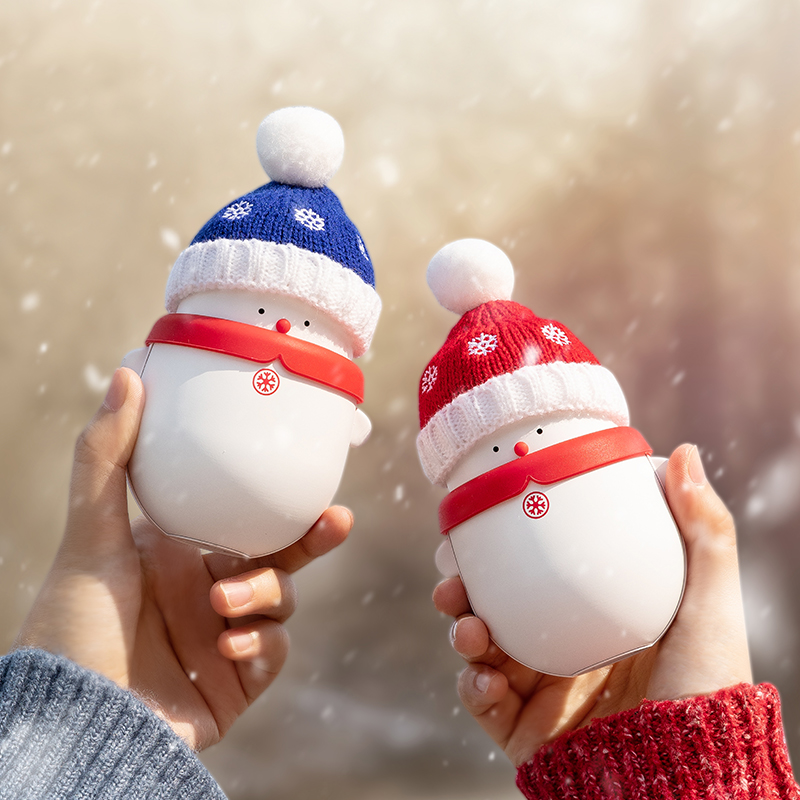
(521, 449)
(283, 326)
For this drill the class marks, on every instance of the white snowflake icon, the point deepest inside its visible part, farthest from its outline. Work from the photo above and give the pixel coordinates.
(309, 218)
(555, 335)
(429, 378)
(237, 210)
(482, 345)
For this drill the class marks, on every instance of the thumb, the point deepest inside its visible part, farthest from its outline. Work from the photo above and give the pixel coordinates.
(706, 647)
(98, 503)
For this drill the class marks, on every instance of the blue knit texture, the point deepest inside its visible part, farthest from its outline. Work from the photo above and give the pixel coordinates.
(312, 219)
(66, 732)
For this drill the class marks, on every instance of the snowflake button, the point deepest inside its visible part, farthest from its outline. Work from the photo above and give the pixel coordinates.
(266, 381)
(535, 505)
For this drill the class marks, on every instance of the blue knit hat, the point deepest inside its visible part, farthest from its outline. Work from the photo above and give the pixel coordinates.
(290, 236)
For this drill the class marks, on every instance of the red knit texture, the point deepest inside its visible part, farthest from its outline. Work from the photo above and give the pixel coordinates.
(493, 339)
(730, 745)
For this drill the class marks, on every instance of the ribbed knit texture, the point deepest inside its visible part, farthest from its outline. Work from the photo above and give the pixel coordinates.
(495, 338)
(312, 219)
(253, 265)
(66, 732)
(500, 364)
(729, 746)
(558, 388)
(288, 240)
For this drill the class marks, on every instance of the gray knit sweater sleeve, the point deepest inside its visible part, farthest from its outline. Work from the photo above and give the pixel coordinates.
(66, 732)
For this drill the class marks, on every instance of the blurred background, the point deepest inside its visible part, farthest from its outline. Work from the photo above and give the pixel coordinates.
(639, 162)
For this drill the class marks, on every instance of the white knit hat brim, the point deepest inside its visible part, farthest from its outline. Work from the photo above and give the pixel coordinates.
(534, 391)
(282, 268)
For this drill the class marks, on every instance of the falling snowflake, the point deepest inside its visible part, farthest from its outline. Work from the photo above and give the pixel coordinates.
(170, 239)
(95, 380)
(555, 335)
(361, 247)
(265, 381)
(429, 378)
(309, 218)
(482, 345)
(237, 210)
(535, 505)
(30, 301)
(531, 355)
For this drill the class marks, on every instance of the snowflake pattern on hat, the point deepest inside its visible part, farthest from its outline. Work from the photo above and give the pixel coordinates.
(482, 345)
(291, 235)
(237, 210)
(429, 378)
(502, 355)
(500, 363)
(273, 219)
(555, 335)
(310, 218)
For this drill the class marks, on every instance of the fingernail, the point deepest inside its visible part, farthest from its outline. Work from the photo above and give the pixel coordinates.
(237, 593)
(482, 681)
(696, 471)
(241, 642)
(117, 391)
(452, 633)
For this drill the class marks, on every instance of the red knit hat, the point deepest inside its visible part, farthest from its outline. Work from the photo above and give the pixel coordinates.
(500, 363)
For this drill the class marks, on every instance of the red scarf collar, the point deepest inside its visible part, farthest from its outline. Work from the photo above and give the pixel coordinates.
(262, 346)
(549, 465)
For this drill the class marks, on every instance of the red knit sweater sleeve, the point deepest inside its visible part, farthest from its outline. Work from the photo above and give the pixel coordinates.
(728, 745)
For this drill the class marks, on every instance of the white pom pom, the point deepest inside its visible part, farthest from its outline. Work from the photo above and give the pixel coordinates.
(300, 146)
(466, 273)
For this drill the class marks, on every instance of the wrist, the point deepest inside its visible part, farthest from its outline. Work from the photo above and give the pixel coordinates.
(729, 744)
(63, 727)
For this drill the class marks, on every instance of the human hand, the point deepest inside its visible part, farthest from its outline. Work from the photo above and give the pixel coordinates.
(704, 650)
(198, 638)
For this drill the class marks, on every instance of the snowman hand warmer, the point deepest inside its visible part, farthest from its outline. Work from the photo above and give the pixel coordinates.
(555, 519)
(251, 391)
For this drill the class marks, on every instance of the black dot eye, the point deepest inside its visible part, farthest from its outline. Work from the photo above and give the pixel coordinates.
(496, 449)
(261, 311)
(306, 323)
(539, 430)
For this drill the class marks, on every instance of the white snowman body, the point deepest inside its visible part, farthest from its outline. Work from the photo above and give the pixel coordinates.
(232, 460)
(576, 574)
(245, 432)
(585, 568)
